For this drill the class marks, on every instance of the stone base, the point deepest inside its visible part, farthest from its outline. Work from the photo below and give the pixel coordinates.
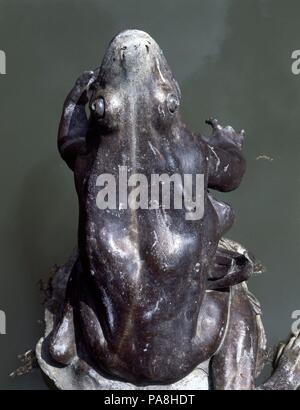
(73, 378)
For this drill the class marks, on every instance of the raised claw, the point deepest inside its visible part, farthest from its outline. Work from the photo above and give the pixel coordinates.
(225, 133)
(213, 122)
(84, 79)
(80, 94)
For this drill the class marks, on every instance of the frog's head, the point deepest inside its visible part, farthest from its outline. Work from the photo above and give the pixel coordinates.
(134, 80)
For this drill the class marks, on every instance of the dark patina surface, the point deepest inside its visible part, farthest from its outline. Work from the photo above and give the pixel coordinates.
(150, 294)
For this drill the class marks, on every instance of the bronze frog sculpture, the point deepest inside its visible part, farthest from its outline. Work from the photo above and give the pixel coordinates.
(151, 295)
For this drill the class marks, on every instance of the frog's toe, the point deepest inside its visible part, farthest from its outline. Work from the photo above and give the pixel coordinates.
(84, 79)
(213, 122)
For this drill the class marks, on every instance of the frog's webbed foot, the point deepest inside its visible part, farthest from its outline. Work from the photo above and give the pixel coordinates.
(226, 163)
(232, 265)
(80, 93)
(224, 134)
(286, 375)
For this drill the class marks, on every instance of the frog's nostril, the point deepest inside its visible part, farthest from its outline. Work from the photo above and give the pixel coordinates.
(133, 54)
(122, 52)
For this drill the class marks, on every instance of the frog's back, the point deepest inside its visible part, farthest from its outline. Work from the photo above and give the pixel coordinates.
(144, 269)
(143, 245)
(148, 265)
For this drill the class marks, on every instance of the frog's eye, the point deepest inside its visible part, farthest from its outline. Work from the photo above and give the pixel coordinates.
(172, 103)
(98, 107)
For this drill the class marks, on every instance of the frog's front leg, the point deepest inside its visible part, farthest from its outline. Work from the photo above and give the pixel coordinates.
(226, 163)
(74, 122)
(71, 143)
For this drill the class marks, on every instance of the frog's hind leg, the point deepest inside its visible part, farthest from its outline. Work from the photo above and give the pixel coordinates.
(62, 340)
(241, 355)
(286, 367)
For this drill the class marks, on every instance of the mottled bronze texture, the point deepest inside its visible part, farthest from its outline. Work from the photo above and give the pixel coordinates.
(152, 295)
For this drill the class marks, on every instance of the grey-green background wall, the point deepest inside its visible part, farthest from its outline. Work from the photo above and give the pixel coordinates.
(232, 59)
